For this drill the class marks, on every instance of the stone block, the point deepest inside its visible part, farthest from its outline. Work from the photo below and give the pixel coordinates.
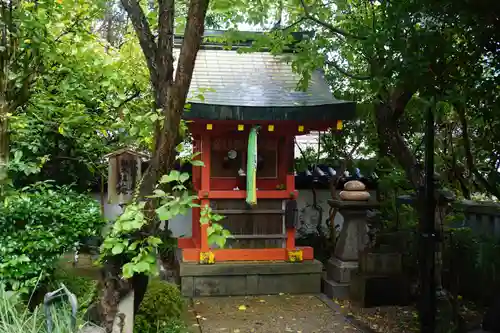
(340, 271)
(371, 291)
(250, 278)
(380, 263)
(334, 289)
(290, 284)
(187, 286)
(219, 285)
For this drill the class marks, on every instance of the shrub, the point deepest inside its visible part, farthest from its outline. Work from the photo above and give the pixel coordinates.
(37, 226)
(474, 260)
(161, 309)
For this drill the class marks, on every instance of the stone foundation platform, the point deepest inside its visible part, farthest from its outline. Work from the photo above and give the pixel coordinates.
(250, 278)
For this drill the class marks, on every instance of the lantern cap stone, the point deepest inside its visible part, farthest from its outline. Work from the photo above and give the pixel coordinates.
(354, 185)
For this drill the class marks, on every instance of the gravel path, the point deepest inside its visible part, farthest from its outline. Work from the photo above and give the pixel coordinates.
(266, 314)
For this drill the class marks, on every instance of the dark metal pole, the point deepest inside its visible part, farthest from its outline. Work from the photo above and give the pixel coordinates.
(428, 234)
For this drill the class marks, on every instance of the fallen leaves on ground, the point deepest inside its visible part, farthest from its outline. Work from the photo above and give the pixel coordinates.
(394, 319)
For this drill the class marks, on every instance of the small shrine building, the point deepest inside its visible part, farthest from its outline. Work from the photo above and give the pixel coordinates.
(251, 97)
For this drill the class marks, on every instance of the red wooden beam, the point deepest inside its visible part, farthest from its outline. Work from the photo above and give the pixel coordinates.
(193, 255)
(278, 194)
(281, 127)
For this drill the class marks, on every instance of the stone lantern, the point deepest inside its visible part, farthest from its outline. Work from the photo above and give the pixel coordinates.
(353, 205)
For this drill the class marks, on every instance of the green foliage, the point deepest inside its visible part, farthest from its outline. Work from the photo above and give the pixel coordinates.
(86, 104)
(125, 238)
(216, 233)
(33, 34)
(474, 260)
(37, 226)
(161, 309)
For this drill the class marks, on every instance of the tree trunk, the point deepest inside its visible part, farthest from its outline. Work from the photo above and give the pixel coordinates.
(4, 142)
(113, 288)
(4, 117)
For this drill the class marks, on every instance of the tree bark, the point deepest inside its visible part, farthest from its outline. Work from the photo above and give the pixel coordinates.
(4, 142)
(4, 105)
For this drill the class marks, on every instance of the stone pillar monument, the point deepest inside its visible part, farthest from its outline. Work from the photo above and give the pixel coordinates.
(353, 205)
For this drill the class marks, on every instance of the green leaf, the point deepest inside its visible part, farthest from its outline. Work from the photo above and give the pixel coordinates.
(118, 248)
(133, 246)
(164, 213)
(183, 177)
(197, 163)
(221, 241)
(217, 217)
(171, 177)
(204, 219)
(154, 241)
(128, 270)
(141, 266)
(179, 148)
(159, 193)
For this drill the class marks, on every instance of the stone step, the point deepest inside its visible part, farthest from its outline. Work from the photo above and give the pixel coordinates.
(334, 289)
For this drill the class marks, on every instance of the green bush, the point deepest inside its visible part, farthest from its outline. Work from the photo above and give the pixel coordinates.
(38, 225)
(161, 309)
(474, 260)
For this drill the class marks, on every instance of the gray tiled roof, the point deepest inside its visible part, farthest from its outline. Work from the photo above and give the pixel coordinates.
(255, 79)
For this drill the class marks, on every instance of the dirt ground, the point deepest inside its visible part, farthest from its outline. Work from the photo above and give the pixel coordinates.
(402, 319)
(266, 314)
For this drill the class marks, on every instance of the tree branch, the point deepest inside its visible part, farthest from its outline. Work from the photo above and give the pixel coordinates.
(300, 20)
(390, 137)
(399, 101)
(344, 72)
(195, 27)
(165, 58)
(468, 154)
(326, 25)
(145, 36)
(136, 94)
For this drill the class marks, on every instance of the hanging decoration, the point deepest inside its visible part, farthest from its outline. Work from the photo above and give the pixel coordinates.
(252, 167)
